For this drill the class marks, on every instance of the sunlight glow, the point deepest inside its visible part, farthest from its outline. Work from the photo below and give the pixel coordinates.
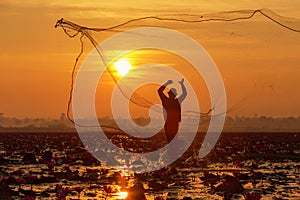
(122, 66)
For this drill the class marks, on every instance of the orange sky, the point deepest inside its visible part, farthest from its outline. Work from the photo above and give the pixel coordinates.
(259, 61)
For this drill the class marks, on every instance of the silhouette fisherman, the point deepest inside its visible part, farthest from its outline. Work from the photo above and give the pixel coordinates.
(172, 106)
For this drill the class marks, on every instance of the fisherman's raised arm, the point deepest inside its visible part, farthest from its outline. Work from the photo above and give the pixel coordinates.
(184, 93)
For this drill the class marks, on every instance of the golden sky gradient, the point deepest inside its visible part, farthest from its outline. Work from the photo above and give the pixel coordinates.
(259, 61)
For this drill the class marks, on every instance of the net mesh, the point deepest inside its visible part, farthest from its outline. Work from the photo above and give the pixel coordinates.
(211, 28)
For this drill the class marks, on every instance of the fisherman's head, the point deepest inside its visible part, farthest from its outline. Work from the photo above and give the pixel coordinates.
(172, 93)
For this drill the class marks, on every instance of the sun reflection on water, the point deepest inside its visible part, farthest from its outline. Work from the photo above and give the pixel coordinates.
(122, 195)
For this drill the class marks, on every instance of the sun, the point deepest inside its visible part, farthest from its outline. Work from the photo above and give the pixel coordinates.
(122, 66)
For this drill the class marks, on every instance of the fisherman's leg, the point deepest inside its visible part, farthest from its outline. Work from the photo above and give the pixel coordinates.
(171, 130)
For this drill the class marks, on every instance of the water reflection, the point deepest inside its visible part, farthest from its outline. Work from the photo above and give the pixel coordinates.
(122, 195)
(59, 167)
